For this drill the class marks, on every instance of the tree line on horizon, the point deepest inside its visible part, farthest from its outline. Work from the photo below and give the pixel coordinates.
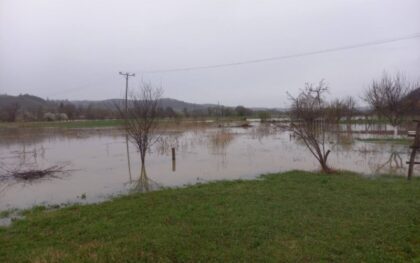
(391, 97)
(14, 109)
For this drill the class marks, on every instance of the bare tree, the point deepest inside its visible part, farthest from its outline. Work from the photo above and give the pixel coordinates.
(141, 117)
(349, 108)
(341, 108)
(308, 121)
(11, 111)
(388, 97)
(336, 110)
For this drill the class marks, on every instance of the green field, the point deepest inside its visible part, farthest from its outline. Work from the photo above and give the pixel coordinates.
(100, 123)
(288, 217)
(64, 124)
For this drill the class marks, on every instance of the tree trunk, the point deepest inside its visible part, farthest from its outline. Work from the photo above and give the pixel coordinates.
(395, 132)
(143, 158)
(324, 165)
(325, 168)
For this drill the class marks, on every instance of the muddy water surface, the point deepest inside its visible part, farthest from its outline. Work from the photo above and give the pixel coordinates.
(97, 164)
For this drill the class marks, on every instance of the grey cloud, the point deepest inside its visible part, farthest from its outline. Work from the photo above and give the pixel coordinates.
(74, 49)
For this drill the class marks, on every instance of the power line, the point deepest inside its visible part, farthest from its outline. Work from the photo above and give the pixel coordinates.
(296, 55)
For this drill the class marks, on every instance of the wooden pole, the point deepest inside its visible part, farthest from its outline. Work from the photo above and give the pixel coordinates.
(173, 154)
(173, 160)
(414, 147)
(126, 75)
(173, 165)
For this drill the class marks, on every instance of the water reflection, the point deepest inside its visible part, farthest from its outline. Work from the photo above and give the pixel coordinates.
(144, 183)
(218, 144)
(173, 165)
(220, 140)
(265, 130)
(107, 163)
(393, 165)
(128, 157)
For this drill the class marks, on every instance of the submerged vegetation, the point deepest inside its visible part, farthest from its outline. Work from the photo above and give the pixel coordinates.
(294, 216)
(32, 174)
(404, 141)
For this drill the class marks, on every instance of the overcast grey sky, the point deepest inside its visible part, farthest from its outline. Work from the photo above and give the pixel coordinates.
(74, 49)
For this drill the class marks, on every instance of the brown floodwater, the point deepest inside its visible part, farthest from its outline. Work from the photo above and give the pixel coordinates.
(97, 164)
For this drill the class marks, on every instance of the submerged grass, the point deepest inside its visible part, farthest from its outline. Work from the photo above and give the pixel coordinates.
(293, 217)
(404, 141)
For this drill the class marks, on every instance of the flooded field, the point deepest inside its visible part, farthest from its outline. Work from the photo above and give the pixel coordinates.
(96, 164)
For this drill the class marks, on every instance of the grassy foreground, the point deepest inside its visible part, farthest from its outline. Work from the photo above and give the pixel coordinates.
(294, 216)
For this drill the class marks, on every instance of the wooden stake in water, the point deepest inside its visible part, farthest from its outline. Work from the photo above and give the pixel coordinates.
(173, 160)
(173, 154)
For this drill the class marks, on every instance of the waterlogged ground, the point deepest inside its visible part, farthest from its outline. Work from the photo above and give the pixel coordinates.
(97, 166)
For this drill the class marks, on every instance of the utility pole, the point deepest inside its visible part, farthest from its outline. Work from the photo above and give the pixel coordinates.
(127, 75)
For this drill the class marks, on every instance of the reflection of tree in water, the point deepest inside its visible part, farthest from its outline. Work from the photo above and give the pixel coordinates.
(166, 142)
(181, 140)
(25, 158)
(218, 143)
(393, 165)
(220, 140)
(128, 156)
(144, 183)
(5, 184)
(373, 155)
(343, 137)
(264, 130)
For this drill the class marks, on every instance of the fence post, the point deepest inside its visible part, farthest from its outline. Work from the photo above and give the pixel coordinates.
(173, 160)
(414, 148)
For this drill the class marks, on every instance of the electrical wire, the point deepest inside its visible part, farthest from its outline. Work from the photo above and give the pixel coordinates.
(296, 55)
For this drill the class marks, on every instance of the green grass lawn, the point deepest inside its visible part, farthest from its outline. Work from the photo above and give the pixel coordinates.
(288, 217)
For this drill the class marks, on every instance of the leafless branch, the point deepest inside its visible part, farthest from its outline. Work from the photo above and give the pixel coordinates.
(388, 97)
(141, 117)
(309, 120)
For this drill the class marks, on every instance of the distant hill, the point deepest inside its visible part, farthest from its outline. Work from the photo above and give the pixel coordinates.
(32, 103)
(176, 105)
(26, 102)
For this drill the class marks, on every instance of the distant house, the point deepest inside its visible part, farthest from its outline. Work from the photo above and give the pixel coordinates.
(49, 116)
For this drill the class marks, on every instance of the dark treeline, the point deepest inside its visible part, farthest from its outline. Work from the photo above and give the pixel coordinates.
(53, 111)
(31, 108)
(390, 97)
